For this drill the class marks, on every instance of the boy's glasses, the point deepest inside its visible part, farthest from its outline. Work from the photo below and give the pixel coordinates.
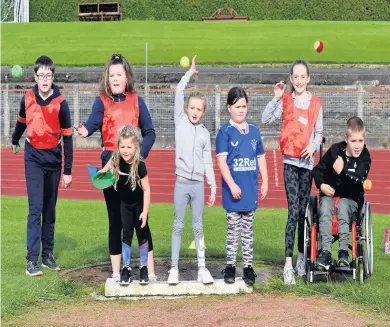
(45, 77)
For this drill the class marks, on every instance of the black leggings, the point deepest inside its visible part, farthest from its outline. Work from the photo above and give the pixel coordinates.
(130, 220)
(113, 204)
(297, 182)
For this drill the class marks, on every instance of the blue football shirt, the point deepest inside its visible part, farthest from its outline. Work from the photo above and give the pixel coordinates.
(242, 148)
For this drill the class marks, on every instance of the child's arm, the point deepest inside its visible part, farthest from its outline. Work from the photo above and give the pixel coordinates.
(225, 172)
(357, 177)
(20, 126)
(66, 131)
(274, 108)
(264, 175)
(313, 147)
(94, 121)
(107, 167)
(146, 188)
(262, 163)
(145, 124)
(222, 149)
(319, 172)
(209, 171)
(179, 95)
(318, 131)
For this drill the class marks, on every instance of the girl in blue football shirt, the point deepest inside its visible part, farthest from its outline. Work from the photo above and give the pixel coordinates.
(240, 156)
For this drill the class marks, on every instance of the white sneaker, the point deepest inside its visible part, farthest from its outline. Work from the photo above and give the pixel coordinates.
(152, 278)
(173, 278)
(300, 267)
(288, 275)
(116, 277)
(204, 276)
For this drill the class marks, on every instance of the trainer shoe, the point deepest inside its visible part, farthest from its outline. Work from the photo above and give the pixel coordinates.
(125, 278)
(288, 275)
(143, 276)
(249, 275)
(116, 277)
(229, 274)
(204, 276)
(152, 278)
(33, 269)
(343, 258)
(324, 260)
(173, 278)
(300, 267)
(50, 262)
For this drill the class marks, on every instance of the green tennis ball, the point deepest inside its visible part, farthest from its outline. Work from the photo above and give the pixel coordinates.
(17, 149)
(17, 71)
(184, 62)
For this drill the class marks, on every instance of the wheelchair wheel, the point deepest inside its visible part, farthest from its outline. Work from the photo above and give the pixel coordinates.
(311, 217)
(366, 263)
(369, 240)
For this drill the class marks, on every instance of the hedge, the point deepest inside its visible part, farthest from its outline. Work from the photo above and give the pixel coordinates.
(194, 10)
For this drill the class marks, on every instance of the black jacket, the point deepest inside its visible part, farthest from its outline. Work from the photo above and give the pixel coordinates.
(349, 184)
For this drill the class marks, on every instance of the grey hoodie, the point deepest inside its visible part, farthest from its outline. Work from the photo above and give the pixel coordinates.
(193, 146)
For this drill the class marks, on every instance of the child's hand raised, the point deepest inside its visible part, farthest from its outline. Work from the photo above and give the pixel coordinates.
(193, 66)
(143, 217)
(279, 90)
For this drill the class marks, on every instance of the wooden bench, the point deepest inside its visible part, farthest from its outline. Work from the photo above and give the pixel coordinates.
(95, 11)
(218, 15)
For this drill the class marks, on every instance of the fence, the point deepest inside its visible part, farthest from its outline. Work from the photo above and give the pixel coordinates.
(340, 103)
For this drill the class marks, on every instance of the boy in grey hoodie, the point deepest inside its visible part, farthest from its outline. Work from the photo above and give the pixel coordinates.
(193, 161)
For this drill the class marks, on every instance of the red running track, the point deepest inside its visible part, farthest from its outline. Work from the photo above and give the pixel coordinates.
(161, 168)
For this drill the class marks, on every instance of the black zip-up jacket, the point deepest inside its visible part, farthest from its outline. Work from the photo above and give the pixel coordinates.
(349, 183)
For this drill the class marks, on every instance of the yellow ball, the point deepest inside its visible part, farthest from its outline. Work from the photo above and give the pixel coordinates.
(184, 62)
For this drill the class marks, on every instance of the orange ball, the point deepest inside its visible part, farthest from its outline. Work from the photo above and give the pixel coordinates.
(367, 185)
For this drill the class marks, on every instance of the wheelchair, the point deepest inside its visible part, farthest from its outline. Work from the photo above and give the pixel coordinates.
(361, 266)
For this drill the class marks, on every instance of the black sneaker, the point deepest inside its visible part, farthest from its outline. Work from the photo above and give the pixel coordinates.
(249, 275)
(229, 274)
(324, 260)
(125, 275)
(33, 269)
(143, 276)
(50, 262)
(343, 258)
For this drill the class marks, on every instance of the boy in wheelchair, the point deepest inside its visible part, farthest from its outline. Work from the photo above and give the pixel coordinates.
(341, 173)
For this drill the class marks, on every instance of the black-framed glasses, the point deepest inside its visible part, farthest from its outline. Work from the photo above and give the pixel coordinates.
(48, 77)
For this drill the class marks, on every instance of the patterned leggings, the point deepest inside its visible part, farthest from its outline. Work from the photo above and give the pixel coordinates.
(239, 223)
(297, 182)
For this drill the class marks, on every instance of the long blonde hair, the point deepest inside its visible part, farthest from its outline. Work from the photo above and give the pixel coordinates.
(134, 133)
(105, 84)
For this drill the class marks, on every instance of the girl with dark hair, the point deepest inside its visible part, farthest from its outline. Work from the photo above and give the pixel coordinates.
(240, 156)
(300, 138)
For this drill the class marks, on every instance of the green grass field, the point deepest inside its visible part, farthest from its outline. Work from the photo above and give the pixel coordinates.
(91, 43)
(81, 238)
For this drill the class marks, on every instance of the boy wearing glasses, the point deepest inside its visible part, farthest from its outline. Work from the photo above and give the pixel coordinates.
(45, 113)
